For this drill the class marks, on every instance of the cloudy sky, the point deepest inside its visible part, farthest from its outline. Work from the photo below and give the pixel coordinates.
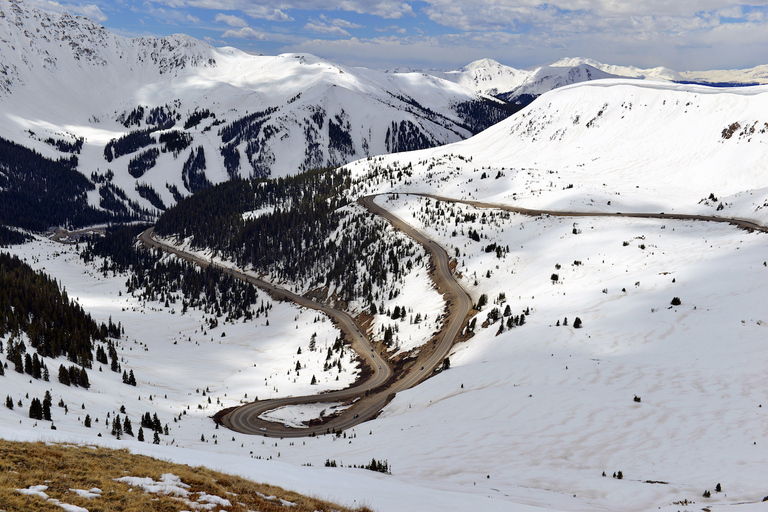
(680, 34)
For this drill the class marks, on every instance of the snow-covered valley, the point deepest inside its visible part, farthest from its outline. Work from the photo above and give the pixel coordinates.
(613, 363)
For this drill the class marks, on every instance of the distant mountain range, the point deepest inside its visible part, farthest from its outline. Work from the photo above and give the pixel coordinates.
(148, 121)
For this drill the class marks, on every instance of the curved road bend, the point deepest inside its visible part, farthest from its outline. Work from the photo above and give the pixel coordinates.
(373, 394)
(370, 399)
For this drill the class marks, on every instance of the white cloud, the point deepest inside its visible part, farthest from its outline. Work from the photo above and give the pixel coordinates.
(267, 13)
(245, 33)
(324, 28)
(392, 28)
(91, 11)
(336, 26)
(276, 10)
(232, 21)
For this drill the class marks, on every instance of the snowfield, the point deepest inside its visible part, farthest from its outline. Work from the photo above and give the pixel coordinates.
(529, 416)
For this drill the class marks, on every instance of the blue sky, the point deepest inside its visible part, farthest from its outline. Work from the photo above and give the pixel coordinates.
(680, 34)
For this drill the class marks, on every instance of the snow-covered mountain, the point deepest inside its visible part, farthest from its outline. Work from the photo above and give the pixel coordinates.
(153, 120)
(207, 114)
(521, 86)
(518, 86)
(669, 395)
(613, 145)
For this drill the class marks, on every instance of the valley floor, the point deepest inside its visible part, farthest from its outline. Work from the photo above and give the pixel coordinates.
(528, 416)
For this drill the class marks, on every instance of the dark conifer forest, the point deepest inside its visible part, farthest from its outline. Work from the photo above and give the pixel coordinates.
(31, 302)
(37, 193)
(154, 276)
(306, 232)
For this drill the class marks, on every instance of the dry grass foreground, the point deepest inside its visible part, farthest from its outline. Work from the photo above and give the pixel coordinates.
(63, 468)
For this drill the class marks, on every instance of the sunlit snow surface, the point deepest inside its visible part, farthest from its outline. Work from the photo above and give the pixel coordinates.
(531, 418)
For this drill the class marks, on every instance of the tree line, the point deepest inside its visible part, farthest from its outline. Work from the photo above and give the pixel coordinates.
(37, 192)
(33, 303)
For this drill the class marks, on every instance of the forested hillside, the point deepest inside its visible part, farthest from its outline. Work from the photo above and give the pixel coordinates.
(302, 230)
(152, 276)
(32, 303)
(37, 192)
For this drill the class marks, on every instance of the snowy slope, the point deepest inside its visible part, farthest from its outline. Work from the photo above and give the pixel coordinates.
(67, 77)
(528, 417)
(520, 86)
(658, 73)
(613, 145)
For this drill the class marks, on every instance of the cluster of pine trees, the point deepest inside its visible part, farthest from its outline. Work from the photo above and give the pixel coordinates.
(9, 237)
(37, 192)
(294, 240)
(193, 172)
(151, 195)
(171, 280)
(143, 162)
(66, 146)
(33, 303)
(38, 410)
(74, 376)
(133, 141)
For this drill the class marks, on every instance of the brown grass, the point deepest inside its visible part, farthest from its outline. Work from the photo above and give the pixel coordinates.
(65, 467)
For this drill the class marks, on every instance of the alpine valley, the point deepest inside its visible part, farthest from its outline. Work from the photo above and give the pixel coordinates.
(480, 289)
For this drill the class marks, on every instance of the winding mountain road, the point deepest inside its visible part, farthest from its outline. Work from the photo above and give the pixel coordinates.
(374, 393)
(370, 396)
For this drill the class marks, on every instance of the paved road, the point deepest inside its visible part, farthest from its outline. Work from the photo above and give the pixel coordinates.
(375, 392)
(741, 223)
(370, 396)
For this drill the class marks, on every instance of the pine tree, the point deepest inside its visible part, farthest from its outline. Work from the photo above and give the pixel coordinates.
(117, 427)
(9, 402)
(35, 409)
(156, 439)
(127, 427)
(87, 422)
(47, 401)
(63, 375)
(140, 437)
(83, 379)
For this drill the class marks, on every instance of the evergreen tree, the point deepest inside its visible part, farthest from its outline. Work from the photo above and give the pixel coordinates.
(87, 420)
(117, 427)
(127, 427)
(156, 439)
(47, 402)
(18, 362)
(83, 379)
(140, 437)
(63, 375)
(9, 402)
(36, 409)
